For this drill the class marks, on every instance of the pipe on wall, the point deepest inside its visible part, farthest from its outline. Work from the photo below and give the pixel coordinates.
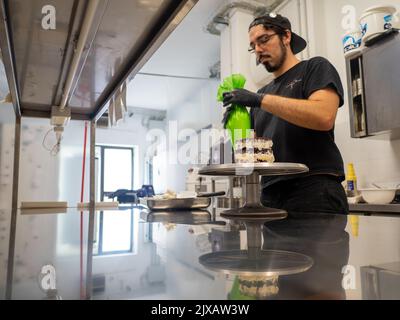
(222, 17)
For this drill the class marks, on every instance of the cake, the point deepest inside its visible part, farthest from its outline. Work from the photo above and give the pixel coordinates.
(259, 287)
(254, 150)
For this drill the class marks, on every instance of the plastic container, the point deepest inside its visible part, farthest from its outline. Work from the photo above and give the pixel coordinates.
(352, 41)
(376, 20)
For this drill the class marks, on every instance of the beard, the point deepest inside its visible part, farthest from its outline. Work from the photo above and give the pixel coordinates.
(272, 67)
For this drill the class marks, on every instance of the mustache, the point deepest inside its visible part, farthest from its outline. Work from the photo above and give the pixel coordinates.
(258, 60)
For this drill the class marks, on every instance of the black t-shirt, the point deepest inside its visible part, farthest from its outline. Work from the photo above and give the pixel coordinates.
(316, 149)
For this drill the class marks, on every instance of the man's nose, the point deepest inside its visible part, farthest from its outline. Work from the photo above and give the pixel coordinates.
(258, 48)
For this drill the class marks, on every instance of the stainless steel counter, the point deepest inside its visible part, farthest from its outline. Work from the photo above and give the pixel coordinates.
(51, 260)
(375, 208)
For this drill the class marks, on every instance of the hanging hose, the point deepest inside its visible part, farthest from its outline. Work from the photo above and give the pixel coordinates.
(82, 291)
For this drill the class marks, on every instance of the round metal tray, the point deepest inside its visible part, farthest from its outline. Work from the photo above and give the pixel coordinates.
(193, 217)
(178, 204)
(246, 169)
(254, 214)
(268, 262)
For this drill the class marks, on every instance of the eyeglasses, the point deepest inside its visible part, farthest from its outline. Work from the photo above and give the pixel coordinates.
(261, 42)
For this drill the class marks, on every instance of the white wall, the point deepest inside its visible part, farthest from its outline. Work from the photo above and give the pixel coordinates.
(198, 112)
(132, 132)
(38, 170)
(46, 177)
(374, 160)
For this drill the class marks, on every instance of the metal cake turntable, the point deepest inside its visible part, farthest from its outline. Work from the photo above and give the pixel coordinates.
(253, 209)
(265, 262)
(254, 260)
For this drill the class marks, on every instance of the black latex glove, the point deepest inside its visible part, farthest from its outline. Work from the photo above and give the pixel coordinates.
(243, 97)
(226, 115)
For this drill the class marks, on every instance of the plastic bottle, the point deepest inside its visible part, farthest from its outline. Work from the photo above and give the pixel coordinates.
(351, 180)
(352, 191)
(354, 225)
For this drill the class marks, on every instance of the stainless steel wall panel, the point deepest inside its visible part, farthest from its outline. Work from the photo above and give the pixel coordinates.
(38, 53)
(121, 32)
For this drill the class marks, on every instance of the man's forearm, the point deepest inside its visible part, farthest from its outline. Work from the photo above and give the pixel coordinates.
(303, 113)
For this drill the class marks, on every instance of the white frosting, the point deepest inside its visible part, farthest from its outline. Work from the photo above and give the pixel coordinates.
(264, 150)
(259, 287)
(254, 157)
(257, 143)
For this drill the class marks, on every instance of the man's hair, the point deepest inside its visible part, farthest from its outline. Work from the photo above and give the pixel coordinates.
(278, 30)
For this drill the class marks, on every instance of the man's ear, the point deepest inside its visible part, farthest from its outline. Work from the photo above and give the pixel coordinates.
(287, 38)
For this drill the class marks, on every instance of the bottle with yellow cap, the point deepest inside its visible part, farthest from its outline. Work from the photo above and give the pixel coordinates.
(351, 181)
(352, 191)
(354, 225)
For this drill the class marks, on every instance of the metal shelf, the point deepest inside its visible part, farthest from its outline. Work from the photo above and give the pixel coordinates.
(375, 208)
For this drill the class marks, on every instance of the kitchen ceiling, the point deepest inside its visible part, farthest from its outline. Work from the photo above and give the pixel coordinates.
(85, 58)
(189, 50)
(182, 61)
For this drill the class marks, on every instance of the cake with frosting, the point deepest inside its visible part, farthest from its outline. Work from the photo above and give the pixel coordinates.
(254, 150)
(259, 287)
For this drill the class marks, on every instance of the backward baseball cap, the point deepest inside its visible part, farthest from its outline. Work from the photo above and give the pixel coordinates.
(297, 43)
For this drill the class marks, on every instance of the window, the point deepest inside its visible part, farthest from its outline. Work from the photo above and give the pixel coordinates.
(114, 228)
(118, 169)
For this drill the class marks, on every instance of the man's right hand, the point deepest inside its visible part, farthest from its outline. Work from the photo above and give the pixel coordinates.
(244, 98)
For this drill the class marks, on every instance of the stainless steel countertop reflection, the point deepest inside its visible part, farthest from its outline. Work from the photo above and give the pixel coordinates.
(163, 262)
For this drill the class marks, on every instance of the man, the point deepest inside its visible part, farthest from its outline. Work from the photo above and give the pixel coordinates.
(297, 110)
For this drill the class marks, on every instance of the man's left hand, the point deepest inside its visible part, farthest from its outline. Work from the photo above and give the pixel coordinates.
(226, 116)
(243, 97)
